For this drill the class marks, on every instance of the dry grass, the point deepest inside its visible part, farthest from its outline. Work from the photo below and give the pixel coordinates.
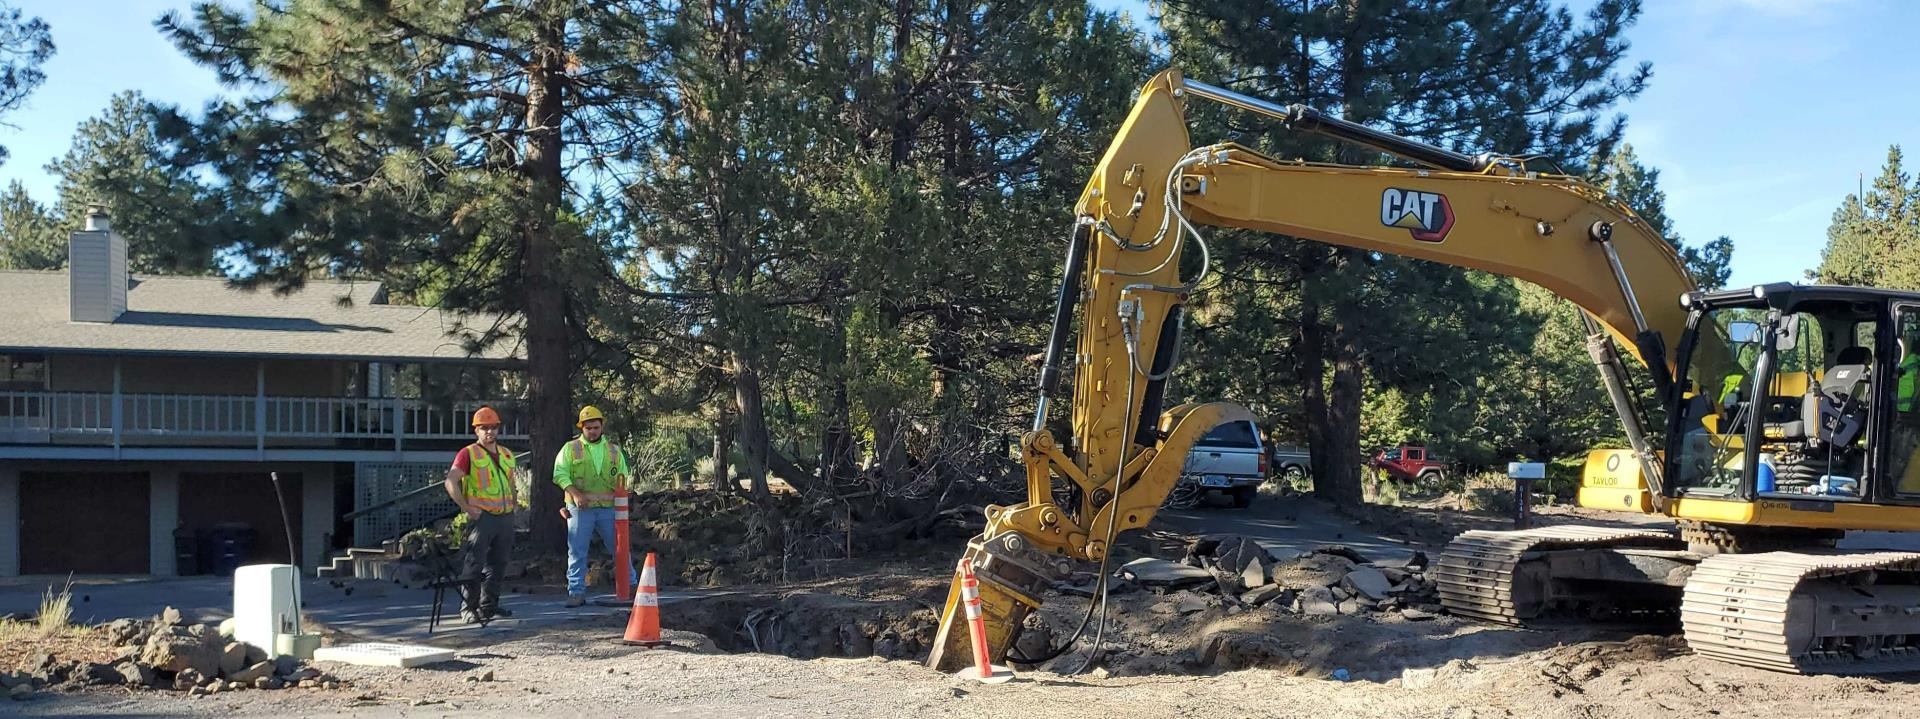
(56, 610)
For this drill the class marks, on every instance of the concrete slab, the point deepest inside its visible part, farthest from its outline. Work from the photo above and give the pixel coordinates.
(383, 654)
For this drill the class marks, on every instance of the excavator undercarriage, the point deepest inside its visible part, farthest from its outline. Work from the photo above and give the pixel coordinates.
(1814, 610)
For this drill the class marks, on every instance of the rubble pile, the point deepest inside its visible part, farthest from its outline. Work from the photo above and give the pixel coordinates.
(169, 653)
(1330, 580)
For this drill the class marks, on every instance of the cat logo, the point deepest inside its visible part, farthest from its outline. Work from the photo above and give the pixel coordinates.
(1425, 214)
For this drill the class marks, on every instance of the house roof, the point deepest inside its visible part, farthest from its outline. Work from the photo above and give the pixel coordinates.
(206, 316)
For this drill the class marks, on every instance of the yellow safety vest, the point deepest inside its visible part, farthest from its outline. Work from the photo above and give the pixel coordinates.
(599, 486)
(489, 486)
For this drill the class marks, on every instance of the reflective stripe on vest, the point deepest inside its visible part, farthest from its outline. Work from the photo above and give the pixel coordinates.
(489, 487)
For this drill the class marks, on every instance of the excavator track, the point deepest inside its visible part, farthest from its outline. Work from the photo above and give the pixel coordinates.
(1476, 575)
(1827, 612)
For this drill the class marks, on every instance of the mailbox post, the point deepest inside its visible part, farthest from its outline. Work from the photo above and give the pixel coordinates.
(1522, 473)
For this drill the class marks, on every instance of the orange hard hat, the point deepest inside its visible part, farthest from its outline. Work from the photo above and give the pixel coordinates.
(485, 415)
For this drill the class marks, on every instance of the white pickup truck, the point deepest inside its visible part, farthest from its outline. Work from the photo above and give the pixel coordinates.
(1230, 460)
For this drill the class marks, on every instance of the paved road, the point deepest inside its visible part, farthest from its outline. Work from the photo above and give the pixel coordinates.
(1285, 525)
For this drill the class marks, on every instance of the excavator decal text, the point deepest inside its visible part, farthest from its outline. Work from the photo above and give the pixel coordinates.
(1426, 215)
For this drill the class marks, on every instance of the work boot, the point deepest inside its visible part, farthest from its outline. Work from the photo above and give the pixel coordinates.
(575, 600)
(498, 612)
(469, 616)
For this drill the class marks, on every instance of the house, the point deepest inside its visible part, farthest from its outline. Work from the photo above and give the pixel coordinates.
(141, 418)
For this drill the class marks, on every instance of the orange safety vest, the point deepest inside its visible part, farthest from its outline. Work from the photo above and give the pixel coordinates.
(599, 487)
(489, 486)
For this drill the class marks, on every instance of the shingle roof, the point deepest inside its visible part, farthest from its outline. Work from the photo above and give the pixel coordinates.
(203, 315)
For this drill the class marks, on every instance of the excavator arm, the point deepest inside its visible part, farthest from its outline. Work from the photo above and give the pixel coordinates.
(1141, 212)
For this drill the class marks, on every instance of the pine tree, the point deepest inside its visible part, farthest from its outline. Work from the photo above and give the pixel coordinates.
(1639, 186)
(25, 44)
(118, 162)
(1873, 239)
(31, 238)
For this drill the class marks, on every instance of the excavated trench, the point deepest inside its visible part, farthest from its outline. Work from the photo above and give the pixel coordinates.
(810, 625)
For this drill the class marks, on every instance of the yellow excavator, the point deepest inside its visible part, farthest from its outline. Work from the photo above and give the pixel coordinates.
(1788, 419)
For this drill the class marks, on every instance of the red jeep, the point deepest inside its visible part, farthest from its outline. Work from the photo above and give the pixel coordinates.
(1409, 462)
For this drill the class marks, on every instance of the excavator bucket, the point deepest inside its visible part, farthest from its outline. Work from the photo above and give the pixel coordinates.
(1002, 606)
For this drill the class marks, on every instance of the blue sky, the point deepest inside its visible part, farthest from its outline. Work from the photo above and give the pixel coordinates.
(1761, 114)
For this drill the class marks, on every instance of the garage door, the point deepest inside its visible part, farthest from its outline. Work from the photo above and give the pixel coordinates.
(84, 523)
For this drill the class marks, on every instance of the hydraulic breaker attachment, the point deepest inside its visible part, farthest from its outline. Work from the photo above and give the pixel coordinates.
(1012, 576)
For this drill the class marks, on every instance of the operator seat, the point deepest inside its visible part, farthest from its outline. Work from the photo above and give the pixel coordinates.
(1835, 411)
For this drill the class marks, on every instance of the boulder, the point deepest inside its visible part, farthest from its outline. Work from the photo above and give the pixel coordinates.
(123, 632)
(171, 652)
(104, 674)
(259, 670)
(1317, 600)
(1162, 573)
(171, 617)
(1368, 582)
(187, 679)
(1262, 595)
(233, 658)
(1350, 606)
(134, 674)
(1254, 572)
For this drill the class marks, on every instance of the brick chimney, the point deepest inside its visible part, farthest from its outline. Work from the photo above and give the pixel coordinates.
(96, 271)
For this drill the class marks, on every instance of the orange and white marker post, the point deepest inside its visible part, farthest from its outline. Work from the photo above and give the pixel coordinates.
(643, 626)
(983, 668)
(622, 548)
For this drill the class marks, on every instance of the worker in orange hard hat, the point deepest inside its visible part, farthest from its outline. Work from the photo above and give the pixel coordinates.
(481, 484)
(593, 473)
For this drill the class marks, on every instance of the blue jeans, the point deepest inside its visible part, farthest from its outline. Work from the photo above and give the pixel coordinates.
(580, 530)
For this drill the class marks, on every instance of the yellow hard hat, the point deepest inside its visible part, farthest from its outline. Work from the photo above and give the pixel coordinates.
(589, 412)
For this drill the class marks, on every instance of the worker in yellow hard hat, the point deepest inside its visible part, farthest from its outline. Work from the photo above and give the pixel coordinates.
(593, 473)
(481, 485)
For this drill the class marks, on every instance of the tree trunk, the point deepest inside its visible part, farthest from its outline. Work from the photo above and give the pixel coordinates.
(1310, 368)
(722, 446)
(548, 365)
(753, 420)
(1343, 413)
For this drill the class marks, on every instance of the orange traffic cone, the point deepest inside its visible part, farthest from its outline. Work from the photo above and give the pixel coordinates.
(643, 626)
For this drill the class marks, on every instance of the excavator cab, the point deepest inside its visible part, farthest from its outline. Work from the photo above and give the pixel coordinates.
(1798, 374)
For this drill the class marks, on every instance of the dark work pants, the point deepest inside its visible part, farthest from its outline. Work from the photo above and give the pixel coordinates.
(489, 542)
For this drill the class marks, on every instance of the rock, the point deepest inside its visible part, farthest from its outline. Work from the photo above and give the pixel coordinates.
(259, 670)
(1313, 570)
(200, 631)
(170, 652)
(1254, 574)
(226, 628)
(1340, 594)
(487, 676)
(304, 673)
(1416, 614)
(233, 659)
(255, 655)
(1162, 573)
(1191, 603)
(122, 632)
(20, 692)
(286, 664)
(309, 684)
(1228, 583)
(188, 679)
(129, 652)
(1394, 575)
(103, 674)
(234, 686)
(1262, 595)
(268, 683)
(1317, 600)
(331, 685)
(1368, 582)
(1350, 607)
(214, 688)
(8, 680)
(134, 673)
(197, 692)
(171, 617)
